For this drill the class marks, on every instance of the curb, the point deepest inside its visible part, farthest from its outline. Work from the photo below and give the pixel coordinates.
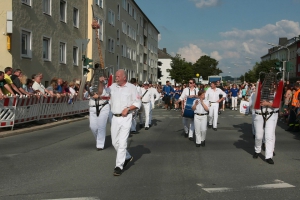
(35, 127)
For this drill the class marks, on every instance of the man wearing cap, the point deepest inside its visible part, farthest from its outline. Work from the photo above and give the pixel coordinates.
(146, 97)
(123, 100)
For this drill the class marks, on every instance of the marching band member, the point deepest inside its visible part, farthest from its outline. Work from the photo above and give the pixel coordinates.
(188, 123)
(147, 98)
(201, 108)
(99, 111)
(212, 95)
(124, 98)
(135, 113)
(153, 92)
(266, 115)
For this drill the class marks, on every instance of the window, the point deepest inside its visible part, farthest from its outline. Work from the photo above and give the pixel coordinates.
(134, 13)
(27, 2)
(63, 11)
(111, 17)
(111, 45)
(46, 48)
(123, 50)
(47, 7)
(100, 31)
(129, 9)
(76, 17)
(118, 12)
(62, 52)
(99, 3)
(124, 27)
(26, 44)
(118, 37)
(75, 56)
(124, 4)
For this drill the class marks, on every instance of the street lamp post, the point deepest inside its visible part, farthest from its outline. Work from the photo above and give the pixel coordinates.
(288, 59)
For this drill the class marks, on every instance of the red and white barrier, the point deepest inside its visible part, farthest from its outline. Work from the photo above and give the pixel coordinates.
(24, 109)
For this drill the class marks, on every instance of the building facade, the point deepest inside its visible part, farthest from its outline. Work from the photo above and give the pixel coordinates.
(287, 50)
(128, 38)
(42, 36)
(165, 59)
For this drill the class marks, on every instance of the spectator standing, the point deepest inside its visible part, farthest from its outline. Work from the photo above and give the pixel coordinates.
(8, 72)
(38, 86)
(168, 92)
(4, 85)
(17, 82)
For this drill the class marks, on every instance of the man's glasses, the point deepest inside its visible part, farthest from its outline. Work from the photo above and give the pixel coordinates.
(190, 82)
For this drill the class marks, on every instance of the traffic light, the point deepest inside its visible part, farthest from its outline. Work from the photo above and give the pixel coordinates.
(85, 71)
(159, 73)
(278, 65)
(87, 62)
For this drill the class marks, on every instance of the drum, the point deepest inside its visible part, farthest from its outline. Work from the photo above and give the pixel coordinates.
(188, 111)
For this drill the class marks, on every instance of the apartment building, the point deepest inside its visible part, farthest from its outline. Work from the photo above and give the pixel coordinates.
(286, 50)
(40, 36)
(129, 40)
(165, 61)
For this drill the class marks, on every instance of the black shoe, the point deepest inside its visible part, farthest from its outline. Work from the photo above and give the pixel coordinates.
(117, 171)
(270, 161)
(255, 155)
(254, 137)
(219, 112)
(150, 125)
(197, 145)
(263, 147)
(215, 129)
(133, 132)
(146, 128)
(191, 139)
(274, 153)
(209, 126)
(99, 149)
(186, 135)
(127, 161)
(295, 129)
(203, 143)
(290, 128)
(141, 126)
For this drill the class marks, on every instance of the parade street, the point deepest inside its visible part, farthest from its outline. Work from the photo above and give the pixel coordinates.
(62, 163)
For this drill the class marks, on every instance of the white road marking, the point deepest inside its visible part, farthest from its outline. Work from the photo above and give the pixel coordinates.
(79, 198)
(278, 184)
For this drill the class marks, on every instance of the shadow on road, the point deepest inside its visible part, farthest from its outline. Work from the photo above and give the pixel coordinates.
(154, 122)
(137, 152)
(246, 142)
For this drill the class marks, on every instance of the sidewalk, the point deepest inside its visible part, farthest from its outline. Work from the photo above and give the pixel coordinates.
(39, 125)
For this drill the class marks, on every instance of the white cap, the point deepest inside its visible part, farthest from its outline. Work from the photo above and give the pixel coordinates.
(146, 83)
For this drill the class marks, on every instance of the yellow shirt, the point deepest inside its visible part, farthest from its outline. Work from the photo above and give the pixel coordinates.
(9, 82)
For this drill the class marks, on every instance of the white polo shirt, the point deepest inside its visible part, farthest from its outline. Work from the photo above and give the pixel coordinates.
(199, 107)
(38, 86)
(123, 97)
(213, 95)
(147, 97)
(188, 92)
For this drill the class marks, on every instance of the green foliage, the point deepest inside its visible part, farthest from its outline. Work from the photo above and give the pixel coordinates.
(181, 71)
(206, 66)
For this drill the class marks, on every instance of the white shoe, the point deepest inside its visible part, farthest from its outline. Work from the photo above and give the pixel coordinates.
(232, 109)
(236, 109)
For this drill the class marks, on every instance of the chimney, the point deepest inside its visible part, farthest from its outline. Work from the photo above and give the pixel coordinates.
(283, 41)
(165, 50)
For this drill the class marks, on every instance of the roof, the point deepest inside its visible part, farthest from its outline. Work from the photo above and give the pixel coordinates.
(162, 54)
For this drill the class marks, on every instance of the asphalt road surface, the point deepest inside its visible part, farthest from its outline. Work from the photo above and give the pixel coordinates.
(62, 163)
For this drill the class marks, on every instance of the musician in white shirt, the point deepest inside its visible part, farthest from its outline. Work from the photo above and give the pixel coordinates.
(201, 108)
(147, 98)
(188, 123)
(153, 92)
(212, 95)
(135, 113)
(123, 98)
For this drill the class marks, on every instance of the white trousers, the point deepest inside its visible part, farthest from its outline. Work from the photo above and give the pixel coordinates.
(200, 128)
(188, 125)
(234, 102)
(98, 124)
(268, 132)
(213, 114)
(120, 127)
(145, 111)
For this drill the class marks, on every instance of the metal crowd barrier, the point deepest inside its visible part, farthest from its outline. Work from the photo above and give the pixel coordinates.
(18, 110)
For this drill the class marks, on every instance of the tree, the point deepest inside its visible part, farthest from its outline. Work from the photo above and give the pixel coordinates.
(206, 66)
(181, 71)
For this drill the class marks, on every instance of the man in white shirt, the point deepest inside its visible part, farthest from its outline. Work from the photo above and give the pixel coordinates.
(188, 123)
(155, 97)
(38, 86)
(212, 95)
(147, 98)
(135, 113)
(124, 99)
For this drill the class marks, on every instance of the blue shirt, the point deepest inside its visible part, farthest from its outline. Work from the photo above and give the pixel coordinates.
(234, 92)
(59, 89)
(177, 94)
(167, 89)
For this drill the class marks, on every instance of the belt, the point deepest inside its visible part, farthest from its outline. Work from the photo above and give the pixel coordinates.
(201, 114)
(212, 102)
(267, 113)
(145, 102)
(104, 98)
(100, 105)
(117, 115)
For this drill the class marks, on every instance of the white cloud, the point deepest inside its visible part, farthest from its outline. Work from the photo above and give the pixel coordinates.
(191, 53)
(206, 3)
(216, 55)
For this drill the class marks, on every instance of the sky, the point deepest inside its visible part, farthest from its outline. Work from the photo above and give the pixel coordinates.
(234, 32)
